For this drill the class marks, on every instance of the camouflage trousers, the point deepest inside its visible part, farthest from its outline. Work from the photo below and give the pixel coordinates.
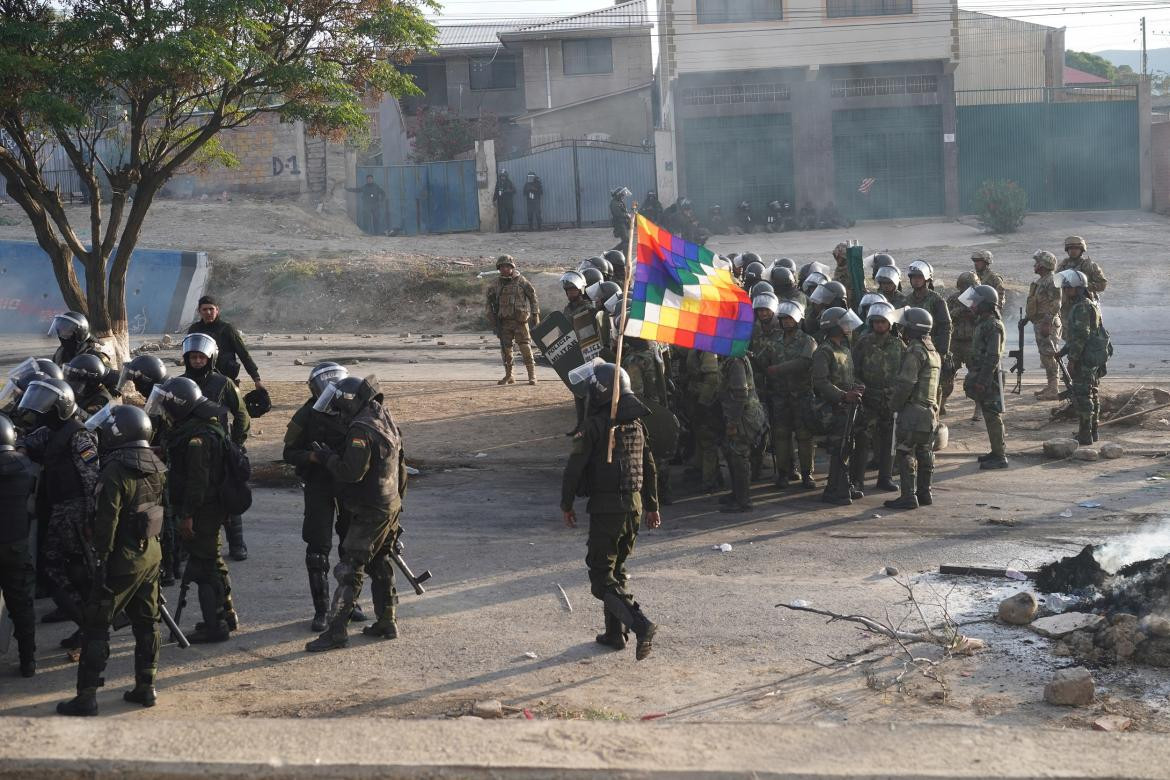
(515, 331)
(960, 357)
(64, 559)
(1046, 346)
(1084, 392)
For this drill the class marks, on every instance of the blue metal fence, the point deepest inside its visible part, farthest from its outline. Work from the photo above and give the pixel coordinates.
(437, 197)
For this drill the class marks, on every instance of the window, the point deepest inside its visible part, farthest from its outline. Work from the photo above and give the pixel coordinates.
(734, 93)
(723, 11)
(885, 85)
(431, 78)
(493, 73)
(591, 55)
(845, 8)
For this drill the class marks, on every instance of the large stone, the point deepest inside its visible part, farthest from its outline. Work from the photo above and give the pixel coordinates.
(1084, 453)
(1018, 610)
(1111, 451)
(1060, 448)
(1112, 723)
(1056, 626)
(1070, 688)
(489, 708)
(1154, 651)
(1155, 625)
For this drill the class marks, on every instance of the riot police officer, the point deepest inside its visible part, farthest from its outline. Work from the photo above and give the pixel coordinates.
(86, 375)
(838, 394)
(72, 331)
(783, 355)
(17, 576)
(914, 397)
(984, 381)
(1086, 346)
(877, 357)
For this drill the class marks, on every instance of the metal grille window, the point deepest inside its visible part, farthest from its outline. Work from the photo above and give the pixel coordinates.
(844, 8)
(735, 93)
(493, 73)
(724, 11)
(592, 55)
(885, 85)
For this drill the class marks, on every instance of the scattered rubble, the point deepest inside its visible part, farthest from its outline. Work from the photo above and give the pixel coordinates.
(1112, 723)
(1070, 688)
(489, 708)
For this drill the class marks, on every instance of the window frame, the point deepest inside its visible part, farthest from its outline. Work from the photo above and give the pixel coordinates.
(588, 56)
(711, 16)
(861, 14)
(492, 62)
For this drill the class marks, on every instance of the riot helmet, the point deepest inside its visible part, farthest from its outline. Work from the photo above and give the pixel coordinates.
(980, 298)
(828, 293)
(52, 400)
(601, 383)
(916, 322)
(84, 373)
(747, 258)
(348, 396)
(603, 265)
(175, 399)
(1072, 278)
(808, 269)
(145, 371)
(72, 326)
(601, 292)
(121, 425)
(203, 344)
(621, 193)
(888, 275)
(592, 276)
(616, 258)
(765, 300)
(7, 434)
(785, 262)
(325, 374)
(783, 278)
(920, 268)
(573, 280)
(790, 309)
(837, 320)
(882, 260)
(812, 282)
(753, 272)
(761, 287)
(881, 311)
(868, 300)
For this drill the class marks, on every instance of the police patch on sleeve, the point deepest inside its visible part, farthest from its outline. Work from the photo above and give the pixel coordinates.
(357, 441)
(88, 455)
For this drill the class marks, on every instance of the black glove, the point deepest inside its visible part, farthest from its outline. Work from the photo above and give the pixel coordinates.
(317, 448)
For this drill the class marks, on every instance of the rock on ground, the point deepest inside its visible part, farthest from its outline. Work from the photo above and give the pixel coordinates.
(1018, 610)
(1060, 448)
(1070, 688)
(1086, 454)
(1058, 626)
(1112, 451)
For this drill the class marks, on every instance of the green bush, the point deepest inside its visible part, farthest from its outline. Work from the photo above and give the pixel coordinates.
(1001, 205)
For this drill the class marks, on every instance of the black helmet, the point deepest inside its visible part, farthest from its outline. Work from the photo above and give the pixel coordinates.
(783, 278)
(19, 377)
(753, 272)
(145, 371)
(7, 434)
(602, 382)
(175, 399)
(601, 264)
(980, 298)
(616, 258)
(121, 425)
(203, 344)
(785, 262)
(600, 293)
(43, 365)
(349, 396)
(325, 374)
(592, 276)
(759, 288)
(70, 326)
(812, 268)
(52, 399)
(831, 293)
(882, 260)
(916, 322)
(257, 402)
(84, 373)
(747, 258)
(837, 320)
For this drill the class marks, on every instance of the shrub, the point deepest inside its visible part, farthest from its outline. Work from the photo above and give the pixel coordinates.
(1001, 205)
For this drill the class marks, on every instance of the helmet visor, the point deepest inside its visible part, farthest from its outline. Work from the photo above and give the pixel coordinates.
(325, 377)
(40, 397)
(26, 367)
(584, 372)
(201, 343)
(849, 322)
(154, 404)
(9, 394)
(325, 401)
(64, 327)
(969, 297)
(99, 417)
(882, 311)
(822, 294)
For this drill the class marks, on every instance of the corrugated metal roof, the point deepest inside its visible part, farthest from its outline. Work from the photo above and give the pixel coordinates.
(1075, 76)
(631, 14)
(475, 36)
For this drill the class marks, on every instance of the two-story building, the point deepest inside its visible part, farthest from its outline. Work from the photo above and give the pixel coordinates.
(588, 75)
(849, 102)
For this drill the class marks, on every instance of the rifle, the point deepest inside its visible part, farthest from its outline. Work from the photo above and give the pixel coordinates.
(1064, 377)
(184, 587)
(415, 581)
(847, 437)
(1018, 354)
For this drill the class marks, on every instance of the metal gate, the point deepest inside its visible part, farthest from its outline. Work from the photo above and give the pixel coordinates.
(578, 177)
(889, 162)
(1074, 148)
(732, 158)
(438, 197)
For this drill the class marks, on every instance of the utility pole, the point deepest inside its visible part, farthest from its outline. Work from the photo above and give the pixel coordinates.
(1145, 62)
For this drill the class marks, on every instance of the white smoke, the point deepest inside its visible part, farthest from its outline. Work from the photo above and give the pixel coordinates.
(1141, 546)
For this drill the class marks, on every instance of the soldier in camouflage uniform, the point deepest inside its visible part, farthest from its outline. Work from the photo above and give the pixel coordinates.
(782, 354)
(923, 296)
(981, 259)
(323, 511)
(913, 398)
(962, 332)
(984, 381)
(1043, 311)
(1084, 347)
(511, 308)
(841, 265)
(17, 576)
(370, 473)
(836, 390)
(619, 492)
(744, 424)
(705, 414)
(126, 558)
(877, 357)
(68, 455)
(889, 282)
(1079, 260)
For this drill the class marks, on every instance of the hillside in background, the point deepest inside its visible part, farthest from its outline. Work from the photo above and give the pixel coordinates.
(1159, 59)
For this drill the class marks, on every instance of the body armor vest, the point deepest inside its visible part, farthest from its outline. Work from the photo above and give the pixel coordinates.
(16, 483)
(62, 481)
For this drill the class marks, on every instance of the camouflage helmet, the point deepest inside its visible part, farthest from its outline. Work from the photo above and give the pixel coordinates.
(1044, 259)
(504, 260)
(1072, 241)
(982, 254)
(966, 280)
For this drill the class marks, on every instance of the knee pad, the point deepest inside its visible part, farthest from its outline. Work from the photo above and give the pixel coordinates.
(379, 570)
(344, 572)
(317, 561)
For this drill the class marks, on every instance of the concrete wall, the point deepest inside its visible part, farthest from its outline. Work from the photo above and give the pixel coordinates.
(623, 119)
(162, 288)
(470, 103)
(272, 162)
(549, 87)
(997, 53)
(805, 37)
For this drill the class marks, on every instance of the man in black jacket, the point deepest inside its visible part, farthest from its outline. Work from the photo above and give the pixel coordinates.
(232, 351)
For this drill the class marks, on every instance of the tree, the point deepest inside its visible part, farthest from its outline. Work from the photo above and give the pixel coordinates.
(133, 90)
(1091, 63)
(444, 135)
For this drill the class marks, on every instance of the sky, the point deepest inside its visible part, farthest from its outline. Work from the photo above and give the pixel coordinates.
(1092, 25)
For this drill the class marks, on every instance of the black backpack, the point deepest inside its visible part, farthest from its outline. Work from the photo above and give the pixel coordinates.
(234, 492)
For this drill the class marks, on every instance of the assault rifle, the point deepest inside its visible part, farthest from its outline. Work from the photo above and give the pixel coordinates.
(415, 581)
(1018, 354)
(1064, 377)
(847, 437)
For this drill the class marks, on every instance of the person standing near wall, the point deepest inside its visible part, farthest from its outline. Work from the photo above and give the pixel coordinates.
(533, 194)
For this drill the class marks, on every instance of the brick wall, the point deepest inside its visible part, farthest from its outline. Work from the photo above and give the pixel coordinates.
(1160, 157)
(272, 162)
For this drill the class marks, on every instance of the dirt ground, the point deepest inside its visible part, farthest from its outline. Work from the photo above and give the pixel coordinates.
(483, 516)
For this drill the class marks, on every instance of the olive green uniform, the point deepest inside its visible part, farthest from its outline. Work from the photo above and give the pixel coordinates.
(127, 521)
(92, 403)
(511, 307)
(1043, 310)
(1084, 322)
(784, 360)
(220, 389)
(323, 511)
(913, 397)
(832, 377)
(745, 423)
(897, 298)
(17, 576)
(984, 372)
(705, 413)
(962, 334)
(876, 361)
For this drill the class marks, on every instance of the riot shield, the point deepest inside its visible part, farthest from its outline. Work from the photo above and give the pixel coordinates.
(558, 342)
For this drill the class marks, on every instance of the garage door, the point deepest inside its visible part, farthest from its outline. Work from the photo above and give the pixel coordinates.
(889, 162)
(727, 159)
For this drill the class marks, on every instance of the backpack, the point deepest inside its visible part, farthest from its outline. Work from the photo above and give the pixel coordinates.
(234, 491)
(1098, 348)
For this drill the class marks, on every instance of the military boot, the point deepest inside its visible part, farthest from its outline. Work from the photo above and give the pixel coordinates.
(143, 692)
(329, 640)
(385, 627)
(214, 627)
(357, 614)
(885, 467)
(319, 590)
(507, 355)
(28, 655)
(235, 537)
(1085, 431)
(84, 704)
(631, 617)
(615, 634)
(925, 475)
(858, 461)
(740, 497)
(1049, 392)
(531, 374)
(837, 490)
(908, 500)
(807, 482)
(977, 415)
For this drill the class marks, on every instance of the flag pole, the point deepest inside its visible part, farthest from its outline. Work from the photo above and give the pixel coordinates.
(621, 337)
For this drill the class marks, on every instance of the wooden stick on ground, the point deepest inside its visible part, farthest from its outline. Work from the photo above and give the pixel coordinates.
(961, 645)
